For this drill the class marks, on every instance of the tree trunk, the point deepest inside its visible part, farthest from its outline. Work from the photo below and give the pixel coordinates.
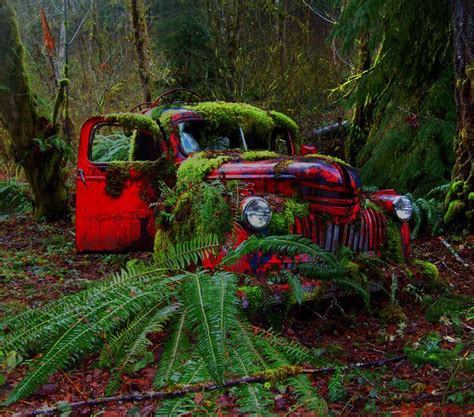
(35, 144)
(460, 199)
(362, 111)
(140, 37)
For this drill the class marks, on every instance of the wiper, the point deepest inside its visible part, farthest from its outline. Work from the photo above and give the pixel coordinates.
(242, 137)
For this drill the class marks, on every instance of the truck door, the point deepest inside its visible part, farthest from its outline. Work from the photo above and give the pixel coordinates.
(113, 195)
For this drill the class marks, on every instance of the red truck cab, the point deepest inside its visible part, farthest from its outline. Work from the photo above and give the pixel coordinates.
(115, 194)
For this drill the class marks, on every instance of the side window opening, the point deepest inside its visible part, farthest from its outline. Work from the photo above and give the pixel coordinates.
(280, 142)
(111, 142)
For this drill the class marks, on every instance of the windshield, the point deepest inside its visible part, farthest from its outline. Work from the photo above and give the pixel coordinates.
(196, 137)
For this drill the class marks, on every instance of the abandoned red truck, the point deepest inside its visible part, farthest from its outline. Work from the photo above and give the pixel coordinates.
(122, 157)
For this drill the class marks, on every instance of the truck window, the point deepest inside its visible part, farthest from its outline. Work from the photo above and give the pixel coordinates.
(280, 142)
(198, 136)
(115, 143)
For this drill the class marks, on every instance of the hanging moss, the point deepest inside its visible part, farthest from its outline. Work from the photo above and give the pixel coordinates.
(283, 220)
(118, 173)
(202, 209)
(393, 247)
(151, 174)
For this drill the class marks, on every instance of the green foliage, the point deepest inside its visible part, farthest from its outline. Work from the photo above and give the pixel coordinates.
(430, 271)
(321, 265)
(199, 210)
(111, 148)
(402, 90)
(195, 169)
(208, 339)
(133, 121)
(393, 247)
(430, 352)
(451, 308)
(284, 217)
(15, 196)
(427, 215)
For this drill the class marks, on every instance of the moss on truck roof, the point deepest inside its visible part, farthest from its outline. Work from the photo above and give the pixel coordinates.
(224, 115)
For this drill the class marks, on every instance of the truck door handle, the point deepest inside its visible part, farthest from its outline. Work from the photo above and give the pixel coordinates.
(81, 173)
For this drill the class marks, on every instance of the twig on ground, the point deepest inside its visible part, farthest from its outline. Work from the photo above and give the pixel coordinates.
(188, 389)
(453, 252)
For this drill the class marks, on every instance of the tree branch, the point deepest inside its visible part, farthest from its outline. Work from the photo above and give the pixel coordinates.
(274, 375)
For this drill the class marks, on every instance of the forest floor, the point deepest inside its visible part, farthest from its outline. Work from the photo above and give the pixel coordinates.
(38, 263)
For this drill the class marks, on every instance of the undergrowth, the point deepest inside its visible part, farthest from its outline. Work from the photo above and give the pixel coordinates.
(15, 196)
(209, 337)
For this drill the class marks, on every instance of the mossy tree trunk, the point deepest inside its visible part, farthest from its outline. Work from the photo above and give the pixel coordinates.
(460, 199)
(362, 110)
(140, 38)
(34, 139)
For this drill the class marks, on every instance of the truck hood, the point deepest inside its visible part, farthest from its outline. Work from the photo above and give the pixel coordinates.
(317, 170)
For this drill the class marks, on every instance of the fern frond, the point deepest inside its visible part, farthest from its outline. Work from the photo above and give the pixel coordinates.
(294, 351)
(173, 353)
(198, 295)
(183, 254)
(296, 288)
(290, 244)
(79, 339)
(308, 398)
(195, 372)
(132, 343)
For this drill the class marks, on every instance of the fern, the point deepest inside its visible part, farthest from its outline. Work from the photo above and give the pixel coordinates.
(291, 245)
(174, 352)
(15, 196)
(208, 338)
(132, 343)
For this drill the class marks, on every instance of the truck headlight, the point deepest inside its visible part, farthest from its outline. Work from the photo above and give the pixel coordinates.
(256, 213)
(403, 208)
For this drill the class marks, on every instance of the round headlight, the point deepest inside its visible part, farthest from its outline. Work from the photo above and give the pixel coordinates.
(256, 213)
(403, 207)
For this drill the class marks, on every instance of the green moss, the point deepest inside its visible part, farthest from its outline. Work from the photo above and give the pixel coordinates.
(429, 270)
(118, 173)
(134, 121)
(283, 220)
(195, 169)
(150, 173)
(369, 204)
(392, 314)
(454, 211)
(393, 247)
(282, 120)
(222, 115)
(258, 155)
(162, 241)
(327, 157)
(230, 116)
(471, 196)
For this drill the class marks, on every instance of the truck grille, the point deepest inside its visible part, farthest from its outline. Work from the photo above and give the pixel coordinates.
(365, 235)
(342, 203)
